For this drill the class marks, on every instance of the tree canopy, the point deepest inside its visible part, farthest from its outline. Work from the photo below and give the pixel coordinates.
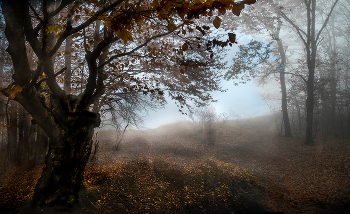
(72, 58)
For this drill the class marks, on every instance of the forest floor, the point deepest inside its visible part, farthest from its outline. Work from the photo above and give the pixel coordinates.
(176, 169)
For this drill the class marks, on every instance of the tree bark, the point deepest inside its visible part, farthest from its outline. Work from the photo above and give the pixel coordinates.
(12, 126)
(68, 58)
(62, 178)
(282, 66)
(68, 123)
(309, 112)
(310, 40)
(311, 49)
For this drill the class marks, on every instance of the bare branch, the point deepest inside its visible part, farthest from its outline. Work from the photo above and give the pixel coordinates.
(299, 31)
(35, 13)
(71, 31)
(133, 50)
(326, 21)
(31, 34)
(63, 4)
(298, 75)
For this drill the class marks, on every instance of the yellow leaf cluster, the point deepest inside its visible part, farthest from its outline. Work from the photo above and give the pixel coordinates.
(53, 28)
(12, 91)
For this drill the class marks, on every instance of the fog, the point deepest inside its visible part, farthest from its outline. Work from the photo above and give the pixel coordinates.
(239, 101)
(277, 141)
(243, 101)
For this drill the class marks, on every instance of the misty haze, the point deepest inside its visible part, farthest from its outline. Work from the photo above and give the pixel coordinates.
(162, 106)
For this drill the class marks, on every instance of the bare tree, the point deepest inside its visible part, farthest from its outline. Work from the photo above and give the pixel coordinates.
(310, 39)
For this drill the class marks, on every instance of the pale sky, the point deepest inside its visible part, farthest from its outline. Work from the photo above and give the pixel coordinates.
(245, 100)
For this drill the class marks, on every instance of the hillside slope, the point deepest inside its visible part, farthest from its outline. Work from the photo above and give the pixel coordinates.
(300, 178)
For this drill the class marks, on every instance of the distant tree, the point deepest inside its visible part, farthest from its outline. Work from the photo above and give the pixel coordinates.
(262, 18)
(207, 118)
(152, 47)
(310, 38)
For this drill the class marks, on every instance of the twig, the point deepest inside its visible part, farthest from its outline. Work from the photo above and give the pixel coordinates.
(116, 148)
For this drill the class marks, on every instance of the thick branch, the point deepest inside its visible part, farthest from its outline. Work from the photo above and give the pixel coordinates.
(71, 31)
(87, 95)
(52, 76)
(31, 35)
(15, 35)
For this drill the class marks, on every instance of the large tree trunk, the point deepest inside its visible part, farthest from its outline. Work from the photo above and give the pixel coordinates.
(12, 137)
(65, 118)
(41, 145)
(62, 178)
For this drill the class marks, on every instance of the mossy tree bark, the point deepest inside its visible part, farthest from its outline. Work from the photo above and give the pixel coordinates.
(66, 119)
(62, 176)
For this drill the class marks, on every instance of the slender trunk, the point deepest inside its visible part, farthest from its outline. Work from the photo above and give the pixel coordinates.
(310, 107)
(287, 128)
(2, 48)
(310, 40)
(300, 124)
(311, 58)
(68, 59)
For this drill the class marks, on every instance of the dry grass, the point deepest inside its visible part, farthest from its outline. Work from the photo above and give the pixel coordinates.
(173, 169)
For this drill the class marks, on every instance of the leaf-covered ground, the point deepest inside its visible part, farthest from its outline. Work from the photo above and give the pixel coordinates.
(176, 169)
(156, 184)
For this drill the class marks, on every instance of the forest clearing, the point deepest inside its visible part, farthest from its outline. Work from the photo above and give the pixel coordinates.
(175, 169)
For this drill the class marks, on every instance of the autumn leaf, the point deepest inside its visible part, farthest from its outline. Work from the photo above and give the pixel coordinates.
(171, 26)
(222, 11)
(217, 22)
(232, 37)
(249, 1)
(185, 47)
(12, 91)
(199, 1)
(237, 9)
(124, 35)
(76, 18)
